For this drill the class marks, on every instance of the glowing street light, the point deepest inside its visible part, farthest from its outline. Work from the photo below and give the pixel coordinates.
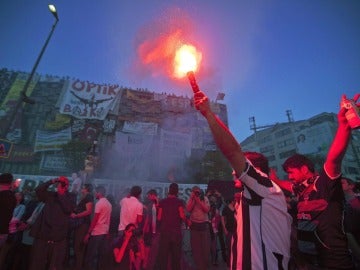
(52, 9)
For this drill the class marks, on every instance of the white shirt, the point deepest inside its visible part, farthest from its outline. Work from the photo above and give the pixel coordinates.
(264, 225)
(76, 184)
(130, 208)
(103, 207)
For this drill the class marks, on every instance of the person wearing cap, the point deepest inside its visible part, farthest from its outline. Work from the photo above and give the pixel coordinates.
(51, 227)
(8, 203)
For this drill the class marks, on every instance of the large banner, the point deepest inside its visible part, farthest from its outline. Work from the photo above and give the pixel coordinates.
(53, 162)
(21, 153)
(131, 157)
(140, 128)
(8, 105)
(51, 141)
(15, 90)
(60, 121)
(89, 100)
(174, 148)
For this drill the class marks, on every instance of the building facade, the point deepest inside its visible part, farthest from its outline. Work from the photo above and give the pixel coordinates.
(311, 137)
(106, 130)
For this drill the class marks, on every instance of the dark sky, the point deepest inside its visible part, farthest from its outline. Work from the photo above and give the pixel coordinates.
(266, 56)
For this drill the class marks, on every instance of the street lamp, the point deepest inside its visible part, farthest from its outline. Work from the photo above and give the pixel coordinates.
(23, 97)
(52, 9)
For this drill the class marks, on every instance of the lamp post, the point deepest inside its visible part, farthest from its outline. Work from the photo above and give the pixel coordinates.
(23, 97)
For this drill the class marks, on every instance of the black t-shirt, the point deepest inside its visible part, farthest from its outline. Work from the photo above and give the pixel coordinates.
(320, 224)
(81, 207)
(8, 203)
(230, 221)
(125, 261)
(352, 217)
(170, 218)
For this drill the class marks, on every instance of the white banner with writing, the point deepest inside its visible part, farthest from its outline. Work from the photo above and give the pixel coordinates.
(86, 100)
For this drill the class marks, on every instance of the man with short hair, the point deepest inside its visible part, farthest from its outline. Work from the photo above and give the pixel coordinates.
(98, 231)
(263, 223)
(8, 203)
(171, 214)
(131, 209)
(81, 219)
(321, 239)
(51, 227)
(151, 229)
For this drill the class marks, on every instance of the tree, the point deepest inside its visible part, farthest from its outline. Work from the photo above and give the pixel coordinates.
(75, 153)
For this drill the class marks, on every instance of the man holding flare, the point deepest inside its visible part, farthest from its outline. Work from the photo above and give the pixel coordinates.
(262, 238)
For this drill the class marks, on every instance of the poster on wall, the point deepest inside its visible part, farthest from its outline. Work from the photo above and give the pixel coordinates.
(86, 100)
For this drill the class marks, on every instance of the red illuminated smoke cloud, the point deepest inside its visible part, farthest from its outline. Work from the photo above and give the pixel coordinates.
(157, 42)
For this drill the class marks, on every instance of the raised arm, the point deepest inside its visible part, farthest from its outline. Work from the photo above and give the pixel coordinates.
(340, 142)
(284, 184)
(120, 251)
(224, 139)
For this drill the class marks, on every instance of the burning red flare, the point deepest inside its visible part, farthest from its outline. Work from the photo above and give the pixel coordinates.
(187, 59)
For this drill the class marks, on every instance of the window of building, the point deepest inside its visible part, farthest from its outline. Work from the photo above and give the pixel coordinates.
(286, 143)
(265, 139)
(283, 132)
(268, 148)
(352, 170)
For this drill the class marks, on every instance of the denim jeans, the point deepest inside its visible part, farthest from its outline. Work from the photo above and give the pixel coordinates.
(97, 249)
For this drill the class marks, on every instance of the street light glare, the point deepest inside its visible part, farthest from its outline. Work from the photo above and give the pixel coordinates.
(52, 9)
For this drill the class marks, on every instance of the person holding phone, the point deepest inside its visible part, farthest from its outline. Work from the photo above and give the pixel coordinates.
(198, 206)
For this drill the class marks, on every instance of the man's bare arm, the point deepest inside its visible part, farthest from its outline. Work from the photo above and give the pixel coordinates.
(224, 139)
(338, 147)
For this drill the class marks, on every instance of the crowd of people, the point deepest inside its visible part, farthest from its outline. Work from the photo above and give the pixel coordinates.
(55, 228)
(309, 221)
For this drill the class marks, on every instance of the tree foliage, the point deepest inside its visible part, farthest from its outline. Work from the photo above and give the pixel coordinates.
(75, 152)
